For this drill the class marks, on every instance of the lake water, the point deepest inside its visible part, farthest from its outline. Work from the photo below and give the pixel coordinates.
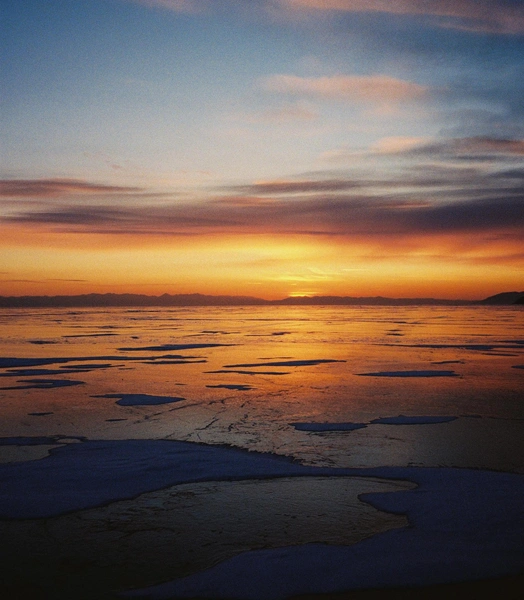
(330, 387)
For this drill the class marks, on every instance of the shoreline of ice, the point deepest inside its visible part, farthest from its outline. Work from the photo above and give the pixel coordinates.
(464, 523)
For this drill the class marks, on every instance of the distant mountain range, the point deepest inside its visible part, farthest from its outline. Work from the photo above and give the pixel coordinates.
(166, 300)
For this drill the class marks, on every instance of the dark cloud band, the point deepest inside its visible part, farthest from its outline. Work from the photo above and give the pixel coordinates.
(44, 188)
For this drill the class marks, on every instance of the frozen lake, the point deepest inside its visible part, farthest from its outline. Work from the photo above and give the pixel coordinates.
(197, 447)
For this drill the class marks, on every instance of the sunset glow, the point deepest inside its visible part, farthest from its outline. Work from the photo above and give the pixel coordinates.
(270, 148)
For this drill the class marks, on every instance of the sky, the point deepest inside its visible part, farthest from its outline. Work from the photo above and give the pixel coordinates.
(268, 148)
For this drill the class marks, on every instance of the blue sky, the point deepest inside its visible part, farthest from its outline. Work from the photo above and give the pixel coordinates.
(175, 105)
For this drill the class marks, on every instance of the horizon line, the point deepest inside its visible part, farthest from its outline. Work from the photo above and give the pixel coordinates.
(122, 299)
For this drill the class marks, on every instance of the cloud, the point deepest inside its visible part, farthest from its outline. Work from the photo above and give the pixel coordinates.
(486, 215)
(470, 147)
(46, 280)
(424, 206)
(70, 280)
(297, 187)
(486, 16)
(393, 145)
(181, 6)
(439, 162)
(291, 112)
(44, 188)
(471, 122)
(517, 174)
(74, 215)
(324, 214)
(482, 16)
(352, 88)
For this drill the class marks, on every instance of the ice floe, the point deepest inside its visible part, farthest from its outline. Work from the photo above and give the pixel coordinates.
(141, 399)
(464, 525)
(43, 384)
(411, 420)
(324, 427)
(94, 473)
(288, 363)
(168, 347)
(399, 420)
(241, 387)
(411, 373)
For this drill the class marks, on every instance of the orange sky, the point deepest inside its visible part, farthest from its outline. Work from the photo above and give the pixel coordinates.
(258, 264)
(269, 148)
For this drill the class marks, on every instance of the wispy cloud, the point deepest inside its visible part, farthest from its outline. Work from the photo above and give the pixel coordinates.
(297, 187)
(470, 147)
(469, 209)
(353, 88)
(44, 188)
(72, 216)
(478, 148)
(392, 145)
(504, 17)
(291, 112)
(512, 174)
(181, 6)
(326, 214)
(71, 280)
(43, 281)
(488, 16)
